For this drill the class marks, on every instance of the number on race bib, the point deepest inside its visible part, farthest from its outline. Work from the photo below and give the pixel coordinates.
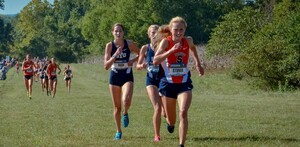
(177, 69)
(120, 65)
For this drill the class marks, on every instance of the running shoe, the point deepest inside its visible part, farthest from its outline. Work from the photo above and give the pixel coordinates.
(156, 138)
(118, 136)
(125, 120)
(181, 145)
(27, 94)
(170, 128)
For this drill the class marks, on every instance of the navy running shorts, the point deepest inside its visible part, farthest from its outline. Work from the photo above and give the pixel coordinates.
(172, 90)
(28, 77)
(53, 78)
(120, 77)
(152, 80)
(68, 78)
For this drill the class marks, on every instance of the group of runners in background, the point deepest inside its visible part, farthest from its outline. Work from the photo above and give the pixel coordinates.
(44, 70)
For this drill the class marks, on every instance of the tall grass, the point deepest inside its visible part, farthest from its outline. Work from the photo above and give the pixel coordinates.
(224, 112)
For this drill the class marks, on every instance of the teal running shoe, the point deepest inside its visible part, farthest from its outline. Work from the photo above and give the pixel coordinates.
(118, 136)
(125, 120)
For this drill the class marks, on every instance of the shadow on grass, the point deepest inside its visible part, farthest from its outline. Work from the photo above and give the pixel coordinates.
(246, 138)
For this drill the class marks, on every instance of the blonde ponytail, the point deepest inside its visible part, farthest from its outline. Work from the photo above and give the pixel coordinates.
(163, 32)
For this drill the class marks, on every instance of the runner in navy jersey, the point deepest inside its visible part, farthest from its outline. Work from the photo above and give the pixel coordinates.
(68, 76)
(117, 57)
(152, 79)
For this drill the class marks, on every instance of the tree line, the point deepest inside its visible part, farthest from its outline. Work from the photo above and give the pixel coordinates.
(74, 29)
(261, 36)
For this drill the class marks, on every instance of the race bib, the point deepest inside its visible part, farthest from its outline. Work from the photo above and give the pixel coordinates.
(53, 73)
(29, 70)
(153, 69)
(120, 65)
(177, 69)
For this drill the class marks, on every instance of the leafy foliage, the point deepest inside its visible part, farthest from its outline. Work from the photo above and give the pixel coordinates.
(265, 43)
(30, 28)
(52, 30)
(138, 15)
(2, 4)
(69, 43)
(234, 33)
(273, 55)
(6, 38)
(73, 29)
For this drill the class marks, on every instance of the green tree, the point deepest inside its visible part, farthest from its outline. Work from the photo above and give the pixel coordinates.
(6, 38)
(138, 15)
(263, 42)
(3, 48)
(68, 45)
(72, 29)
(201, 15)
(273, 56)
(30, 25)
(96, 25)
(234, 33)
(135, 15)
(2, 4)
(54, 30)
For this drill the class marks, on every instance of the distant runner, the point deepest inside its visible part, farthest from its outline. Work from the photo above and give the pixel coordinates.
(51, 72)
(28, 69)
(68, 76)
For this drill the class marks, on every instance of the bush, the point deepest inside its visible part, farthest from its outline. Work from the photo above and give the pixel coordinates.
(273, 56)
(264, 44)
(233, 34)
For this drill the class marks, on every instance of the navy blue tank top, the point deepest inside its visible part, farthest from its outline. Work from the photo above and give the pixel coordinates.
(149, 58)
(124, 56)
(68, 72)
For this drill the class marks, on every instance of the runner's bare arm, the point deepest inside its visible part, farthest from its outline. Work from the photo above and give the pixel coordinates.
(108, 59)
(161, 54)
(141, 64)
(133, 48)
(194, 53)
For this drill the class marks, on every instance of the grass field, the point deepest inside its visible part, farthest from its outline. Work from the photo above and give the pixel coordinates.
(224, 112)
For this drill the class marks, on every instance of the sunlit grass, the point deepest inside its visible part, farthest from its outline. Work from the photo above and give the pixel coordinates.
(224, 112)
